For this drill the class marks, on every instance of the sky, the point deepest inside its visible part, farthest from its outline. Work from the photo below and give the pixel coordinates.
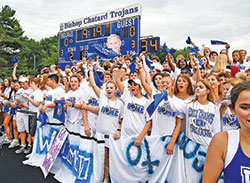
(171, 20)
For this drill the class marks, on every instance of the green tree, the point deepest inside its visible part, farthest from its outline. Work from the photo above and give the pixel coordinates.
(49, 48)
(10, 35)
(32, 55)
(183, 52)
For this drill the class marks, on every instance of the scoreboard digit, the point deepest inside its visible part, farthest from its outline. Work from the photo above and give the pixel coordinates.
(151, 45)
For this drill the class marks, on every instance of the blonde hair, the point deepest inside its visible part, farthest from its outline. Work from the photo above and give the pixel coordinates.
(221, 62)
(179, 57)
(67, 72)
(241, 75)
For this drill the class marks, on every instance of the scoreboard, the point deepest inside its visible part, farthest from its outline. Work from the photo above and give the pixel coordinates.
(123, 24)
(73, 44)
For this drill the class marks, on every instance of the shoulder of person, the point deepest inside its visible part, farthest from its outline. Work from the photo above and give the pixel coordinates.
(219, 142)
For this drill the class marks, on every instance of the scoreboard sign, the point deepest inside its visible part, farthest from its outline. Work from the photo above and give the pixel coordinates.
(117, 29)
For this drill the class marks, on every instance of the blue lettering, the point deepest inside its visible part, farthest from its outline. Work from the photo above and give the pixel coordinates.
(79, 162)
(73, 100)
(116, 113)
(103, 109)
(48, 98)
(148, 162)
(198, 164)
(138, 157)
(44, 142)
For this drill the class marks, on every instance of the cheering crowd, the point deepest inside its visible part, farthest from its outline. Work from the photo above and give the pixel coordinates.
(131, 95)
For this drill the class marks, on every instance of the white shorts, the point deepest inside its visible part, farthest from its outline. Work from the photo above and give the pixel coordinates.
(22, 122)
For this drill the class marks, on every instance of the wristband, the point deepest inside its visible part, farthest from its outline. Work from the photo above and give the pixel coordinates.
(73, 105)
(118, 129)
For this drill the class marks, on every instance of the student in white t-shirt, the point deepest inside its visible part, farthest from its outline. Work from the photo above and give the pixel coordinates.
(55, 93)
(74, 101)
(165, 120)
(110, 115)
(136, 122)
(34, 103)
(183, 92)
(91, 110)
(202, 115)
(22, 117)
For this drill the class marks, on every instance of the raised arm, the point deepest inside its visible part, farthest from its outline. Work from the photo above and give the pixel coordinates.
(14, 72)
(145, 85)
(197, 71)
(201, 52)
(229, 61)
(96, 89)
(146, 69)
(118, 81)
(171, 60)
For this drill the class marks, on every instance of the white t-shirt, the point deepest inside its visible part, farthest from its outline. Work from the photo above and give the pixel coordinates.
(37, 95)
(154, 90)
(51, 96)
(6, 93)
(84, 84)
(90, 98)
(164, 118)
(135, 114)
(74, 115)
(186, 101)
(202, 121)
(44, 95)
(243, 66)
(19, 96)
(110, 114)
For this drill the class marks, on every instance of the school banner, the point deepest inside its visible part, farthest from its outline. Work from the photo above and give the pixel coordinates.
(150, 163)
(81, 158)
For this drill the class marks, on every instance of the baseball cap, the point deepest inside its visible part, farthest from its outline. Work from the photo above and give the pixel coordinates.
(136, 81)
(23, 79)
